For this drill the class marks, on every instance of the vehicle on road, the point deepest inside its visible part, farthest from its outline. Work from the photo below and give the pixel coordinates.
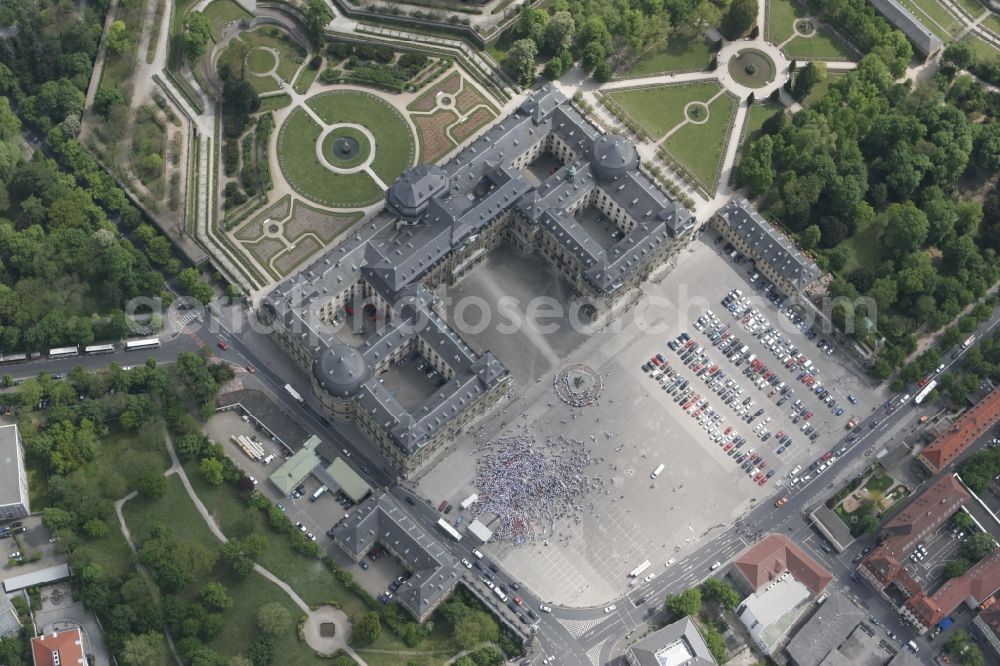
(544, 608)
(610, 608)
(223, 345)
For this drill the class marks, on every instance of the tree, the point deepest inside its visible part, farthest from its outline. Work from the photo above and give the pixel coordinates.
(593, 55)
(144, 650)
(317, 16)
(721, 593)
(704, 15)
(211, 471)
(531, 23)
(603, 72)
(961, 54)
(273, 618)
(810, 237)
(558, 33)
(118, 40)
(366, 630)
(957, 642)
(684, 604)
(813, 73)
(905, 228)
(977, 546)
(214, 596)
(955, 568)
(868, 523)
(963, 521)
(521, 60)
(987, 145)
(755, 170)
(197, 34)
(740, 18)
(553, 69)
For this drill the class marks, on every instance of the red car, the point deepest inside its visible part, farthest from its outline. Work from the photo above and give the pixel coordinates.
(727, 447)
(762, 481)
(655, 361)
(517, 600)
(442, 505)
(728, 430)
(923, 382)
(223, 345)
(827, 456)
(808, 416)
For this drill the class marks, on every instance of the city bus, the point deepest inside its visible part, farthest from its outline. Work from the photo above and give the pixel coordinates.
(64, 352)
(449, 530)
(295, 394)
(148, 343)
(635, 573)
(99, 349)
(931, 385)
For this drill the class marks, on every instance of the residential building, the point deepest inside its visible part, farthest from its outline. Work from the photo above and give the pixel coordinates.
(900, 17)
(917, 522)
(773, 253)
(438, 223)
(383, 521)
(62, 648)
(13, 475)
(825, 632)
(784, 580)
(677, 644)
(969, 427)
(972, 588)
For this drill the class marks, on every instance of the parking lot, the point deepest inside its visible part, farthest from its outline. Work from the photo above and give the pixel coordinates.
(926, 563)
(637, 425)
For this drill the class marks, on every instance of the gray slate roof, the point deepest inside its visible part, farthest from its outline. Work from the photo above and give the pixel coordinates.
(771, 245)
(901, 17)
(830, 625)
(9, 624)
(433, 211)
(682, 635)
(383, 519)
(10, 488)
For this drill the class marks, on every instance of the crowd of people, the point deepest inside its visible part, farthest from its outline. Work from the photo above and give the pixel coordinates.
(530, 485)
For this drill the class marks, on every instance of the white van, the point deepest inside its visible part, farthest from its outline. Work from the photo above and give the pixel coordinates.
(475, 551)
(794, 481)
(656, 472)
(319, 493)
(795, 470)
(268, 459)
(716, 566)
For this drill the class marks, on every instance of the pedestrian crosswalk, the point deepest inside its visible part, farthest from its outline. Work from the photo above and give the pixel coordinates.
(187, 317)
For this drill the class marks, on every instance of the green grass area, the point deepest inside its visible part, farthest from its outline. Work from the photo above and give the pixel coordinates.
(394, 144)
(879, 483)
(781, 16)
(758, 113)
(699, 147)
(933, 15)
(823, 44)
(117, 68)
(310, 579)
(260, 61)
(305, 79)
(221, 12)
(290, 53)
(679, 55)
(985, 51)
(297, 156)
(274, 102)
(864, 248)
(820, 88)
(658, 109)
(154, 38)
(175, 47)
(358, 146)
(974, 8)
(177, 512)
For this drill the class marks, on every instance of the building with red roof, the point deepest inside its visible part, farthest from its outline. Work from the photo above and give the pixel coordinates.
(973, 587)
(968, 428)
(62, 648)
(765, 561)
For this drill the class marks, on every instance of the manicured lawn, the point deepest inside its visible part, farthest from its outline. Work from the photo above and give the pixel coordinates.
(274, 102)
(305, 79)
(879, 483)
(176, 510)
(680, 55)
(260, 61)
(973, 7)
(985, 51)
(992, 22)
(660, 108)
(221, 12)
(933, 15)
(699, 147)
(297, 156)
(394, 144)
(820, 88)
(781, 15)
(823, 44)
(290, 53)
(755, 118)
